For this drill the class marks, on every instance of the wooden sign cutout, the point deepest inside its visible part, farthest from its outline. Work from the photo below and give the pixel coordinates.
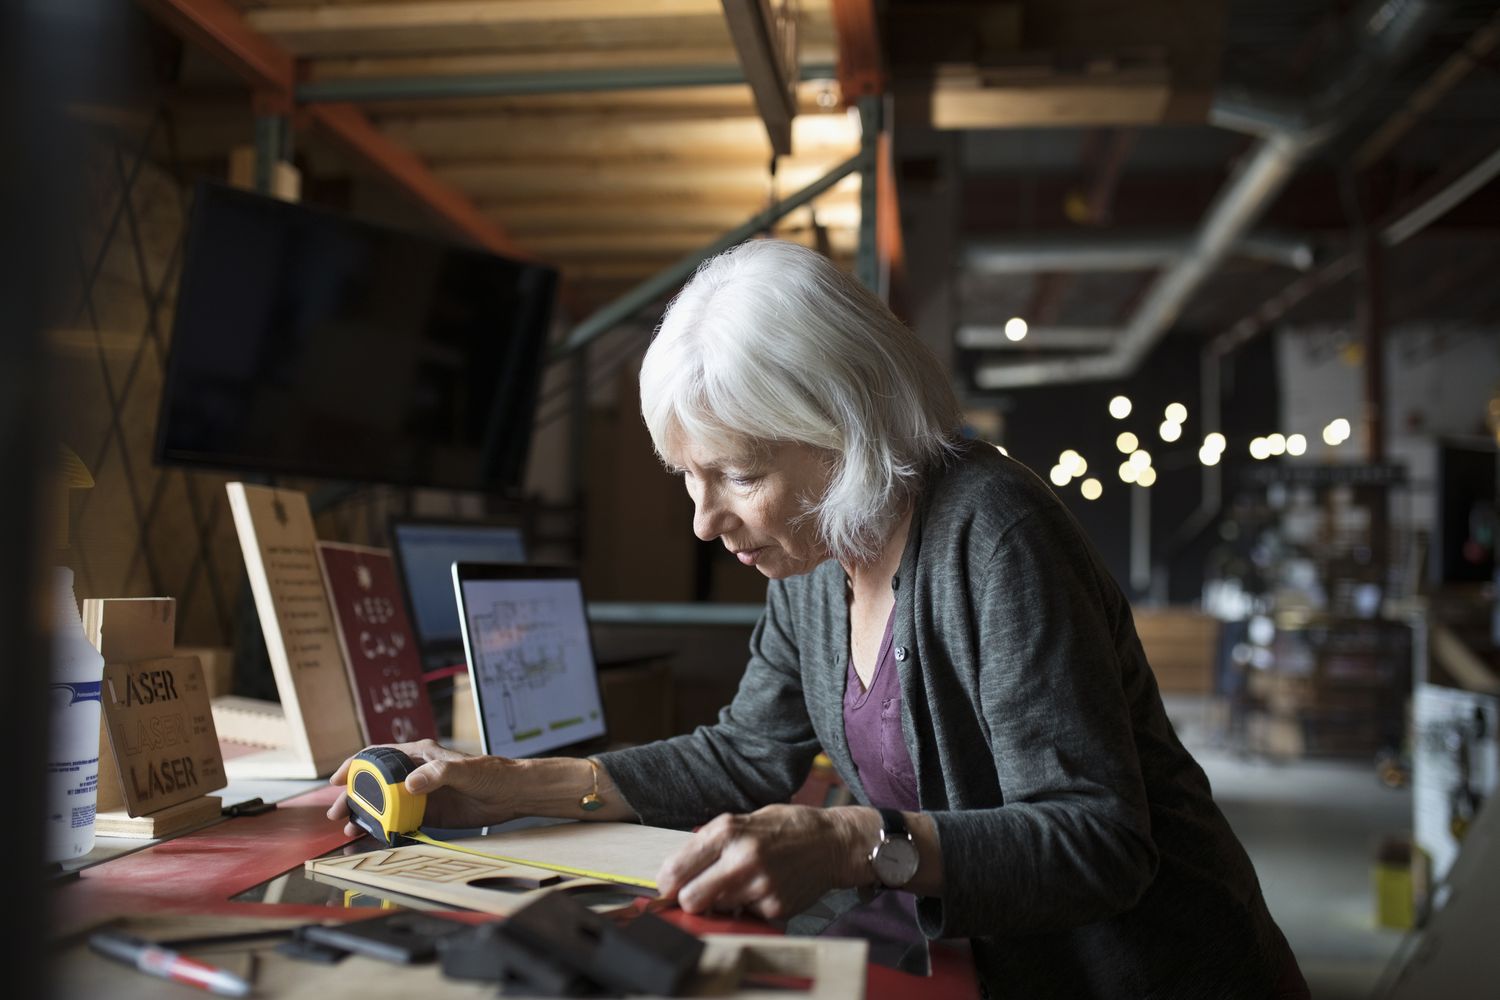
(605, 850)
(379, 650)
(161, 732)
(279, 543)
(451, 878)
(140, 735)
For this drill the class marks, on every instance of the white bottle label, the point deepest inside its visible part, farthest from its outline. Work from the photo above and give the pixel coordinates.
(73, 769)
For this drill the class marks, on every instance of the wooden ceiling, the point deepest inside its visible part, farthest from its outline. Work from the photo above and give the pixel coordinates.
(609, 185)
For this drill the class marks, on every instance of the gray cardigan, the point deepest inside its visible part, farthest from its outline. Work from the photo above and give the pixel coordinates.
(1083, 854)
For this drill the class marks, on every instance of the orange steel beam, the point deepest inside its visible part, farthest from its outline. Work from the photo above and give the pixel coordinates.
(861, 71)
(271, 72)
(218, 28)
(407, 171)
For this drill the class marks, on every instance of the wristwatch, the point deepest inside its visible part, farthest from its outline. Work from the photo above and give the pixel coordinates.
(894, 856)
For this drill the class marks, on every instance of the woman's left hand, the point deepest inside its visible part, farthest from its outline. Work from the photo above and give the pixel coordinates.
(775, 862)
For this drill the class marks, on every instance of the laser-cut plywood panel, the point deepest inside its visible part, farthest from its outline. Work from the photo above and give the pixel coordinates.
(450, 878)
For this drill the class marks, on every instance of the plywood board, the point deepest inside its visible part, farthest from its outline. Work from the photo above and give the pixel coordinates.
(161, 732)
(279, 544)
(967, 98)
(450, 878)
(252, 721)
(835, 967)
(626, 850)
(140, 628)
(166, 822)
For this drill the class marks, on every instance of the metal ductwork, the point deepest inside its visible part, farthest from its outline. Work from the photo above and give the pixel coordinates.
(1383, 33)
(1120, 252)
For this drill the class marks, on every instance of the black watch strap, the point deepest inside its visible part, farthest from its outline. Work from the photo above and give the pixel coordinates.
(894, 824)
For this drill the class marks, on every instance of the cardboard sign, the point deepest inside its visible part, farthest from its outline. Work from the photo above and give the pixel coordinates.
(161, 731)
(280, 548)
(379, 651)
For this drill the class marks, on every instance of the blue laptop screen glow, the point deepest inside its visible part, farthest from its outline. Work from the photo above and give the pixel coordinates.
(428, 552)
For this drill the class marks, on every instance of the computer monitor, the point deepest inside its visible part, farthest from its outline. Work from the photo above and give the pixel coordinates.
(309, 343)
(426, 550)
(531, 662)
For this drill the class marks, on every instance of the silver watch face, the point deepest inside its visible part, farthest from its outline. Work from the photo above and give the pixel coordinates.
(895, 862)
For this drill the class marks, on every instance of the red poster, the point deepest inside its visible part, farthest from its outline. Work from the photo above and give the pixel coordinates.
(385, 671)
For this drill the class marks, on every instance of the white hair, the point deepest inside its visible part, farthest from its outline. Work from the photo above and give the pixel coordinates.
(771, 342)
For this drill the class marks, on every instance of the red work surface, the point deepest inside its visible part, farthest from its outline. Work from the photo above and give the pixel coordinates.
(199, 872)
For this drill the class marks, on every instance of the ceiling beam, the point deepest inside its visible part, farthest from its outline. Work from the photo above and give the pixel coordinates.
(220, 30)
(767, 47)
(591, 81)
(861, 68)
(470, 25)
(403, 168)
(740, 183)
(740, 139)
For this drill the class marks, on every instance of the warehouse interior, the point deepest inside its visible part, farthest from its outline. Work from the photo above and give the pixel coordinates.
(1220, 271)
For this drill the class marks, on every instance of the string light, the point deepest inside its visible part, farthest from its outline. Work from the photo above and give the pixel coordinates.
(1015, 329)
(1176, 412)
(1127, 442)
(1170, 430)
(1119, 407)
(1092, 489)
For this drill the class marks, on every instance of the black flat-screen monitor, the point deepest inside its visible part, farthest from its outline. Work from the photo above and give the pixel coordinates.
(308, 343)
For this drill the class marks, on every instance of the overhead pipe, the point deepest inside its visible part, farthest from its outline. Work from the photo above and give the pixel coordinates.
(1119, 252)
(1383, 32)
(1400, 227)
(976, 337)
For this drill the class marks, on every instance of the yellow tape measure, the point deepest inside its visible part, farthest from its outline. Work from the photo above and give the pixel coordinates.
(380, 804)
(544, 865)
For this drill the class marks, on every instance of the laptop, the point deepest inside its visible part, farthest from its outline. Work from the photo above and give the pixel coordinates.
(531, 661)
(425, 551)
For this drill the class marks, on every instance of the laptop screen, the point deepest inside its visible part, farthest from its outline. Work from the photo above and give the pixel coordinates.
(426, 552)
(526, 639)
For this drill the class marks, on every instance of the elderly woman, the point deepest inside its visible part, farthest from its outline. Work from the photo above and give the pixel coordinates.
(938, 624)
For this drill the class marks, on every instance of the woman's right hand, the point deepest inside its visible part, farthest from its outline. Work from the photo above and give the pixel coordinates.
(463, 790)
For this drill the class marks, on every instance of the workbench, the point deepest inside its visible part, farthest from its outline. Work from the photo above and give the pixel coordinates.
(202, 872)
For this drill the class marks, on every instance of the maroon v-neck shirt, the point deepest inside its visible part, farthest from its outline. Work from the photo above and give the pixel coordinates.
(872, 727)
